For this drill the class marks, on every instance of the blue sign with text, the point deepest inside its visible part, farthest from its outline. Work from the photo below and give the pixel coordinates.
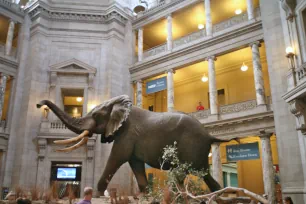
(247, 151)
(157, 85)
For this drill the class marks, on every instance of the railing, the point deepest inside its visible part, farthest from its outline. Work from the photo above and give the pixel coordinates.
(301, 72)
(2, 126)
(57, 125)
(9, 4)
(2, 50)
(230, 22)
(238, 107)
(202, 33)
(200, 114)
(189, 38)
(155, 50)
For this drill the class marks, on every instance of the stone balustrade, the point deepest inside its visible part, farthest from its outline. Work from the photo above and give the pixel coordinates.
(13, 51)
(200, 114)
(301, 72)
(233, 21)
(155, 50)
(238, 107)
(54, 127)
(2, 126)
(11, 6)
(189, 38)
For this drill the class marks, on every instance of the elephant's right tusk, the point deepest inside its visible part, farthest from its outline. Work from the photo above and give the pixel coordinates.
(79, 144)
(71, 140)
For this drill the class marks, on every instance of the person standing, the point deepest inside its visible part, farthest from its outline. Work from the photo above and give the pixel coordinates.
(88, 191)
(200, 107)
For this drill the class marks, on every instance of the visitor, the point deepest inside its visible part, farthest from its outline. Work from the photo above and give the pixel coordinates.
(288, 200)
(200, 107)
(88, 191)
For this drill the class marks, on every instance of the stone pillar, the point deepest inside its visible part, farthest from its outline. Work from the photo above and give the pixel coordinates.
(140, 44)
(139, 94)
(41, 176)
(9, 38)
(258, 75)
(250, 9)
(169, 33)
(170, 90)
(3, 158)
(89, 180)
(208, 18)
(267, 165)
(3, 82)
(213, 94)
(216, 163)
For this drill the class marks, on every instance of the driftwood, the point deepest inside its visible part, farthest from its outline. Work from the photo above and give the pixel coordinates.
(225, 200)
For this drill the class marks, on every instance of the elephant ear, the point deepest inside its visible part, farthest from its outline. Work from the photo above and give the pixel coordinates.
(121, 107)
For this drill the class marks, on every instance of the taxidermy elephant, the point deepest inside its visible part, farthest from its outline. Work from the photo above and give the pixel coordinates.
(139, 137)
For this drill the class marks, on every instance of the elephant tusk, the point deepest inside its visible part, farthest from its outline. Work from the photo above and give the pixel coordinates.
(71, 140)
(79, 144)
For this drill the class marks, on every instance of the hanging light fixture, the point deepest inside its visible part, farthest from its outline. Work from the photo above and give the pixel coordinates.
(204, 78)
(244, 68)
(79, 99)
(142, 6)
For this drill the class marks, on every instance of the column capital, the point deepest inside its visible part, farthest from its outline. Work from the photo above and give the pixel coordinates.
(169, 15)
(258, 43)
(170, 70)
(140, 29)
(263, 134)
(137, 81)
(213, 57)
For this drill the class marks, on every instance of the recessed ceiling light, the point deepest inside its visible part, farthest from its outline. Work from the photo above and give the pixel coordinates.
(200, 26)
(238, 11)
(79, 99)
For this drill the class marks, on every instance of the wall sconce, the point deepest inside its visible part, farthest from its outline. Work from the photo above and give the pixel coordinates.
(290, 55)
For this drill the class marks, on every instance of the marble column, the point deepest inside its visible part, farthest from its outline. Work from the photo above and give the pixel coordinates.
(139, 94)
(213, 94)
(216, 163)
(169, 33)
(258, 75)
(3, 158)
(170, 90)
(3, 82)
(140, 44)
(250, 9)
(267, 165)
(9, 38)
(208, 18)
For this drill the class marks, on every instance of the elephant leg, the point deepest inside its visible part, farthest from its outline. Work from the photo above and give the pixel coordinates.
(138, 168)
(111, 167)
(212, 184)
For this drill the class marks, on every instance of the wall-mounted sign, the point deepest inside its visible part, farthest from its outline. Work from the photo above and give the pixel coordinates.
(247, 151)
(156, 85)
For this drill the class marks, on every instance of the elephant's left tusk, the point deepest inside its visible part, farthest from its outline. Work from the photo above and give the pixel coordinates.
(79, 144)
(74, 139)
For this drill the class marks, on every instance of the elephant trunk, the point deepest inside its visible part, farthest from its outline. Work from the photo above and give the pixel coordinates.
(69, 121)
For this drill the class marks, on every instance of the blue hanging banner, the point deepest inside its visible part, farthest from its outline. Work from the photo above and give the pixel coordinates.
(156, 85)
(247, 151)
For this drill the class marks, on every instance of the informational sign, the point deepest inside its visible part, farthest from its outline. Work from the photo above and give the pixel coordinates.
(157, 85)
(247, 151)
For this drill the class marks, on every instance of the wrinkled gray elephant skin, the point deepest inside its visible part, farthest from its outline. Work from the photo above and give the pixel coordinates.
(139, 137)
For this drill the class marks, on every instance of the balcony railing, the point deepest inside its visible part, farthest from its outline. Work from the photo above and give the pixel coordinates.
(238, 107)
(301, 72)
(189, 38)
(155, 50)
(236, 20)
(2, 126)
(2, 50)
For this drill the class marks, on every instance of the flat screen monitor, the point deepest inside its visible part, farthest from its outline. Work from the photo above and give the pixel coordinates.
(66, 173)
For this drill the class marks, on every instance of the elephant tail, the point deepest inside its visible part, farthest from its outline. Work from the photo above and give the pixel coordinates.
(215, 140)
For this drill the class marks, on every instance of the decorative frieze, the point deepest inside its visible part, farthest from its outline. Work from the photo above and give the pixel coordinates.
(40, 11)
(238, 107)
(218, 131)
